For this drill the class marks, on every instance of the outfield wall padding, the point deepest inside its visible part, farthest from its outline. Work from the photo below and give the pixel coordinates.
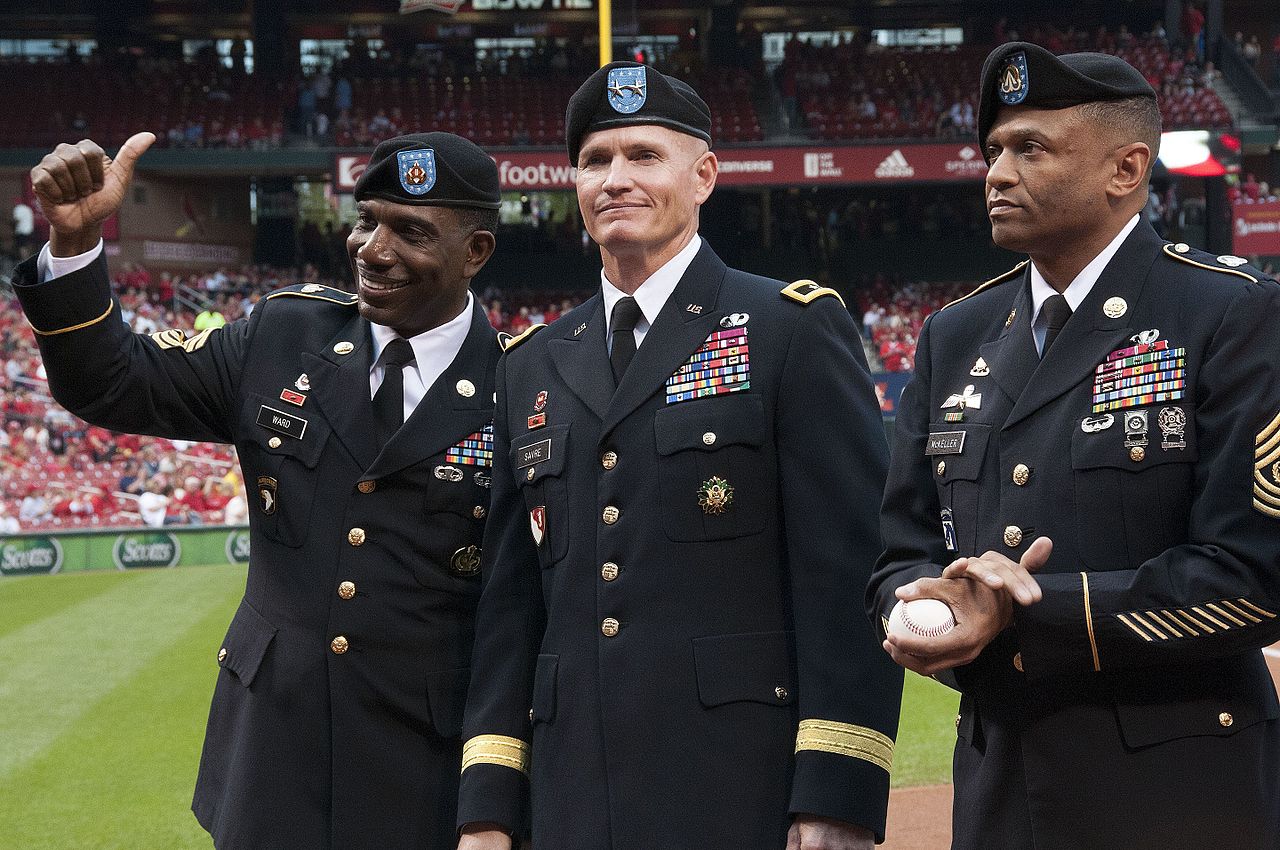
(123, 549)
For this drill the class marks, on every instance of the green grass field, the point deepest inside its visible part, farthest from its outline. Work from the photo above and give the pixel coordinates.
(105, 679)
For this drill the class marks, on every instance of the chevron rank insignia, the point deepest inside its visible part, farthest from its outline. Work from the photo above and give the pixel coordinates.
(174, 338)
(1266, 469)
(475, 450)
(722, 364)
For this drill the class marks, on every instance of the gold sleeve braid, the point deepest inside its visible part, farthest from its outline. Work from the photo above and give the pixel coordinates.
(846, 739)
(496, 749)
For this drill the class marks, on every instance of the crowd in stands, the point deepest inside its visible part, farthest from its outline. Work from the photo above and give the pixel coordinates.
(847, 91)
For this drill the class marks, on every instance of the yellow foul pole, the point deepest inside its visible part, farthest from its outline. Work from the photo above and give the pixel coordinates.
(606, 32)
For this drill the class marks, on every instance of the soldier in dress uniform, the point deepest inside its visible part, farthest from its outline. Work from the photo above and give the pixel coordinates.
(363, 425)
(1086, 467)
(670, 647)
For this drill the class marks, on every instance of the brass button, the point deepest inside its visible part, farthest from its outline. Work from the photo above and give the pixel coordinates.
(610, 515)
(1225, 719)
(957, 721)
(609, 571)
(1021, 474)
(274, 442)
(781, 692)
(478, 512)
(367, 486)
(1137, 454)
(355, 536)
(1012, 536)
(709, 438)
(1017, 661)
(347, 589)
(942, 467)
(222, 655)
(339, 645)
(609, 460)
(609, 627)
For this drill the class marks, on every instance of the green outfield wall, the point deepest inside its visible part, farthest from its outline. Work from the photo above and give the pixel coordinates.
(123, 549)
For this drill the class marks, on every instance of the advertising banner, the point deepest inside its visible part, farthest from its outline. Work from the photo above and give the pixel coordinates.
(1255, 228)
(123, 549)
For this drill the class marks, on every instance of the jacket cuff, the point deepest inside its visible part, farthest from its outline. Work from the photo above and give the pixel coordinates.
(64, 304)
(495, 782)
(842, 772)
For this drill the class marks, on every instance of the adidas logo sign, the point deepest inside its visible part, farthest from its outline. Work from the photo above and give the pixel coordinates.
(895, 165)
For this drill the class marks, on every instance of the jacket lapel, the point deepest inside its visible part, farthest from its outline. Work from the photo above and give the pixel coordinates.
(682, 325)
(1090, 335)
(340, 387)
(582, 358)
(445, 416)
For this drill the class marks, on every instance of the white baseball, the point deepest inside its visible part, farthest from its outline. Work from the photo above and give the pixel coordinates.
(928, 618)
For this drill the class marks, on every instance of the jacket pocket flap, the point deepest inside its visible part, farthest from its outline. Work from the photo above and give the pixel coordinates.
(246, 643)
(962, 465)
(539, 454)
(277, 430)
(1215, 700)
(447, 696)
(544, 688)
(711, 423)
(758, 667)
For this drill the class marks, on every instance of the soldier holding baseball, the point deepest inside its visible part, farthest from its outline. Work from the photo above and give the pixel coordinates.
(1118, 396)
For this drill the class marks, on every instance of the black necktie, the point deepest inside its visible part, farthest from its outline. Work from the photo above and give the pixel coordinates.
(388, 401)
(622, 333)
(1056, 312)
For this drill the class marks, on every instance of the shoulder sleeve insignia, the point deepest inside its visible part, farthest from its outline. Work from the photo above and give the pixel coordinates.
(805, 291)
(318, 292)
(995, 281)
(507, 342)
(1266, 469)
(1226, 264)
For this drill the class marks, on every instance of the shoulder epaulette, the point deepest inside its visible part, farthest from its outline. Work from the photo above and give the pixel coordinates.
(507, 342)
(1016, 270)
(805, 291)
(317, 291)
(1227, 263)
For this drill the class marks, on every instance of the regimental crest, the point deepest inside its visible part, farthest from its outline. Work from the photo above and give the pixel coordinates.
(417, 170)
(1013, 81)
(626, 89)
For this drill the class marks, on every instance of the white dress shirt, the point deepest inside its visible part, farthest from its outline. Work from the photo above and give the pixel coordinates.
(433, 351)
(653, 293)
(1077, 290)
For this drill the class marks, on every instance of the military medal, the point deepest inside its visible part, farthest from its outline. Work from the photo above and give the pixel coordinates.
(715, 496)
(734, 320)
(448, 473)
(1173, 427)
(1093, 424)
(964, 400)
(1135, 428)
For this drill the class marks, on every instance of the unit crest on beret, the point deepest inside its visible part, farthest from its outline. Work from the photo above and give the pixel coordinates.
(805, 291)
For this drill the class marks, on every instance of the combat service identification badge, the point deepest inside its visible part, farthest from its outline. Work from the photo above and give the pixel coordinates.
(538, 524)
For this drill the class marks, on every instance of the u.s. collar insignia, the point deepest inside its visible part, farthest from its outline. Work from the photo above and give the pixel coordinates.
(734, 320)
(626, 89)
(1014, 80)
(980, 369)
(1012, 315)
(579, 329)
(417, 170)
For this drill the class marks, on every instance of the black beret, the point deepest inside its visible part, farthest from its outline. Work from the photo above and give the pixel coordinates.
(1019, 73)
(623, 94)
(431, 169)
